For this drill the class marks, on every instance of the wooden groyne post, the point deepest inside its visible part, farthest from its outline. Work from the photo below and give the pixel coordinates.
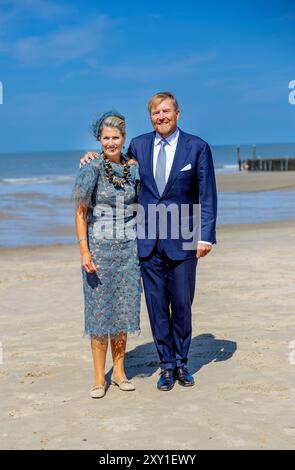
(264, 164)
(272, 164)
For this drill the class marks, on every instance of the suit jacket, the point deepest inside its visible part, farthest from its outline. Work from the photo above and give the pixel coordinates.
(194, 186)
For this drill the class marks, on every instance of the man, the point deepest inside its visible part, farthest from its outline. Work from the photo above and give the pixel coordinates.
(176, 169)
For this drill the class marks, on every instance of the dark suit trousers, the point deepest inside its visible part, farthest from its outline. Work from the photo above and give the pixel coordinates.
(169, 291)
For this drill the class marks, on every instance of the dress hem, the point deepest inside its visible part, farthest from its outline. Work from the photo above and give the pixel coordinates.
(89, 335)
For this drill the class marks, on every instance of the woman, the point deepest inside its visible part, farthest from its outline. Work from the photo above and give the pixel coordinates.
(108, 247)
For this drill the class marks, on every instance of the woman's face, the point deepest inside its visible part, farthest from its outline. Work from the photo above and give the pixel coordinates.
(112, 141)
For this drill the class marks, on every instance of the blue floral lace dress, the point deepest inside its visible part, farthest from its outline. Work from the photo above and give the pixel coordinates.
(112, 295)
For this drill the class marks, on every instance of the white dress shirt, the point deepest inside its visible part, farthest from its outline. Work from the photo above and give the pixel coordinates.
(170, 153)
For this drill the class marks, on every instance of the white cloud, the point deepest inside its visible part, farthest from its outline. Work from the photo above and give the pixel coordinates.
(148, 71)
(66, 44)
(44, 9)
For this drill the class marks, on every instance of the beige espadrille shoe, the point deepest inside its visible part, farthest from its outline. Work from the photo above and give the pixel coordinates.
(98, 391)
(124, 385)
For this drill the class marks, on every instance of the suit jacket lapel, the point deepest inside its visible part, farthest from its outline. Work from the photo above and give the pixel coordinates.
(180, 157)
(150, 162)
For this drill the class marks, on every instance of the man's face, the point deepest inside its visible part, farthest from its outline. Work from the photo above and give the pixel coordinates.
(164, 117)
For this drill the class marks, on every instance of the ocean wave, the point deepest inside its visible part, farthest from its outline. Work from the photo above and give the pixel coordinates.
(39, 180)
(227, 169)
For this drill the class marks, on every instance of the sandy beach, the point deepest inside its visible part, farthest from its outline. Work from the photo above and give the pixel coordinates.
(241, 353)
(256, 181)
(243, 322)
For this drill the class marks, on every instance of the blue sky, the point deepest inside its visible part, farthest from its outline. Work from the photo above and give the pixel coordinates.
(62, 63)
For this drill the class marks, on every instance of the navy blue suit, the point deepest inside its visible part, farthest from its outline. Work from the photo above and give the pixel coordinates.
(168, 267)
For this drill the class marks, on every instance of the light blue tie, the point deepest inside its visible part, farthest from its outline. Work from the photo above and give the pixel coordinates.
(160, 174)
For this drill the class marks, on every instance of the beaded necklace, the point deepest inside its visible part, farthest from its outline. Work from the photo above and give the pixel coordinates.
(115, 180)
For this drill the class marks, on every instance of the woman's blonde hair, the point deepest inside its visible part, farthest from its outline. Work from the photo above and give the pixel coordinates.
(108, 119)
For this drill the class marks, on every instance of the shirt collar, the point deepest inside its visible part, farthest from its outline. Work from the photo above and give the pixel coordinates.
(171, 139)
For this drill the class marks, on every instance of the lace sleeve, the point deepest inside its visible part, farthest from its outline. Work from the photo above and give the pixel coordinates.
(134, 173)
(83, 191)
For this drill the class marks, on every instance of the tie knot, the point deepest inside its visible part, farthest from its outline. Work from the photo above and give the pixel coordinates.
(163, 142)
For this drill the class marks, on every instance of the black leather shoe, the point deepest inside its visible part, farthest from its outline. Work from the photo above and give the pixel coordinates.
(184, 377)
(166, 381)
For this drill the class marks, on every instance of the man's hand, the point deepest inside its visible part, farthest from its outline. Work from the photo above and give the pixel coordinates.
(203, 250)
(87, 157)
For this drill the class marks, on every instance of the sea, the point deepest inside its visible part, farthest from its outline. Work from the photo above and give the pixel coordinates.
(36, 206)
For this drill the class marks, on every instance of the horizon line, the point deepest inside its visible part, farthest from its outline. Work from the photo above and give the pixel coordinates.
(83, 150)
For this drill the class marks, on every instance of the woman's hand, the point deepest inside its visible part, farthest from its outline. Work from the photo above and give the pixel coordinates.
(87, 157)
(87, 262)
(131, 161)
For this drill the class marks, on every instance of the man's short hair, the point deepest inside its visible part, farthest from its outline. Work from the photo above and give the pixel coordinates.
(161, 96)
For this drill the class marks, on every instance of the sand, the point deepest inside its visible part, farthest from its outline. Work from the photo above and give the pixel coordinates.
(245, 181)
(243, 323)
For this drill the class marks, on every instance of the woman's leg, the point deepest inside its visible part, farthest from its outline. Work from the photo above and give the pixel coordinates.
(118, 344)
(99, 347)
